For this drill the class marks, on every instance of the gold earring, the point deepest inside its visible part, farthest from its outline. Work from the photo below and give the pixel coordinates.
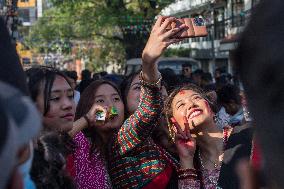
(171, 132)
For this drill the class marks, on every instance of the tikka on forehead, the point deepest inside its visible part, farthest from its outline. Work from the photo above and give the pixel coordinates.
(182, 92)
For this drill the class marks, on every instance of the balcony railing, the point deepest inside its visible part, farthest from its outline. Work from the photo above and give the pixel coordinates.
(184, 5)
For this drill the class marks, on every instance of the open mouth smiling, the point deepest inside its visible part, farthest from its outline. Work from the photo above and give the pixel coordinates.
(194, 113)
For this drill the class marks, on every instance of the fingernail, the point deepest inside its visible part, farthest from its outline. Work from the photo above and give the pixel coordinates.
(173, 119)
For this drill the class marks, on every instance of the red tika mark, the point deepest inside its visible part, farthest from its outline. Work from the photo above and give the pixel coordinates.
(182, 92)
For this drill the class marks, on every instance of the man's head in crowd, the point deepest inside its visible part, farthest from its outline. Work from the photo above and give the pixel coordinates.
(72, 77)
(196, 76)
(186, 70)
(229, 97)
(86, 75)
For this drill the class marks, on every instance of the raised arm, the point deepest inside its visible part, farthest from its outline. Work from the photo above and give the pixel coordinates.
(139, 125)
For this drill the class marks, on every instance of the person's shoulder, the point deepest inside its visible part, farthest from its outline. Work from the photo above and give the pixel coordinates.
(242, 134)
(247, 126)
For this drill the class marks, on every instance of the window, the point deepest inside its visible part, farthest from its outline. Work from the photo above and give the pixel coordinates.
(209, 36)
(238, 16)
(26, 60)
(24, 14)
(185, 41)
(219, 23)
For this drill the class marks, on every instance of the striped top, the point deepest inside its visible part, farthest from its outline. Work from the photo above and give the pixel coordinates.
(135, 160)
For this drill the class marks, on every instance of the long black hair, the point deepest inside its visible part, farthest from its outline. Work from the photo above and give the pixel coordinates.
(85, 103)
(48, 168)
(125, 87)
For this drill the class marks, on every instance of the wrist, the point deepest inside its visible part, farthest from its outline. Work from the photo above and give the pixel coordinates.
(87, 119)
(154, 82)
(148, 60)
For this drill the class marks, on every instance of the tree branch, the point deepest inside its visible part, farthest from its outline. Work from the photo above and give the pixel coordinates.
(109, 38)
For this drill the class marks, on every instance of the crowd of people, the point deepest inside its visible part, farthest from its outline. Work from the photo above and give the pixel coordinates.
(151, 129)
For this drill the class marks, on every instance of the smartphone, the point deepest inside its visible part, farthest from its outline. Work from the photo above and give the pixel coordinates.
(195, 27)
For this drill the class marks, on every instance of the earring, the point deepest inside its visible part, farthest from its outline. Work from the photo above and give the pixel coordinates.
(171, 132)
(215, 118)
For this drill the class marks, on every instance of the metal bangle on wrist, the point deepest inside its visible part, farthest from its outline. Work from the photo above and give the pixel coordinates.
(150, 84)
(187, 173)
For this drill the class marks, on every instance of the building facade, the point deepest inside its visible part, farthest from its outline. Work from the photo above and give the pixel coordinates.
(29, 11)
(225, 19)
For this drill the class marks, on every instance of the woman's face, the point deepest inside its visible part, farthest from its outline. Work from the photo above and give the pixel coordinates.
(190, 104)
(133, 96)
(61, 113)
(108, 97)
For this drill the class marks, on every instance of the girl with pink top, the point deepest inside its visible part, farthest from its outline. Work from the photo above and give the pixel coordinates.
(87, 164)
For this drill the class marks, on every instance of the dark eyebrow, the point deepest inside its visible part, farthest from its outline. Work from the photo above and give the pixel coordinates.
(113, 94)
(137, 83)
(190, 96)
(60, 91)
(99, 96)
(195, 94)
(178, 102)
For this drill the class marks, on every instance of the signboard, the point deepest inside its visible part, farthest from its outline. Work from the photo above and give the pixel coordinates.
(26, 3)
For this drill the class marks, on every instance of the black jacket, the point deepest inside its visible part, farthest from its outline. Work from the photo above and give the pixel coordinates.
(238, 147)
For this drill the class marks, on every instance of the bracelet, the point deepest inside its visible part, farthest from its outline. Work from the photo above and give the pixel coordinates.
(87, 119)
(150, 84)
(187, 173)
(186, 176)
(190, 170)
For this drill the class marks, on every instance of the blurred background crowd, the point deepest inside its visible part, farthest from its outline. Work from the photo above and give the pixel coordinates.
(51, 136)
